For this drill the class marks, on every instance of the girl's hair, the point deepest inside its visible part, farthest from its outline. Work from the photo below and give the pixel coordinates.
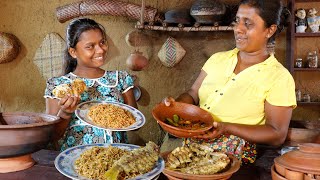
(74, 30)
(271, 11)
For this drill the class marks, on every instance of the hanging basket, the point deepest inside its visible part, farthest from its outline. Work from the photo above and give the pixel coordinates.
(9, 47)
(171, 52)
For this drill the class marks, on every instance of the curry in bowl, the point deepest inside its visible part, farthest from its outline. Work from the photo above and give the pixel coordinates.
(182, 119)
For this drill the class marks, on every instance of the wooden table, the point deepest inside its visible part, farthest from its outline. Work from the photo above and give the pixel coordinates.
(44, 168)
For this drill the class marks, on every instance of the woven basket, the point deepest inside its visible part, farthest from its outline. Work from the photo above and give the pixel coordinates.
(9, 47)
(49, 56)
(171, 52)
(103, 7)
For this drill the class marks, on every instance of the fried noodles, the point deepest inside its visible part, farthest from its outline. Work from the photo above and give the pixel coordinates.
(110, 116)
(93, 163)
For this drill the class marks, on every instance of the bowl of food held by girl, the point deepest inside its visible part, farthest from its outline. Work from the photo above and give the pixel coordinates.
(182, 120)
(23, 133)
(195, 161)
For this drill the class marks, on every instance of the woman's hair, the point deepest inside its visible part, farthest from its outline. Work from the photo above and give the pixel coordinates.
(271, 11)
(74, 30)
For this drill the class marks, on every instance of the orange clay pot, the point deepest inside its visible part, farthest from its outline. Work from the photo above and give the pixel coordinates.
(136, 61)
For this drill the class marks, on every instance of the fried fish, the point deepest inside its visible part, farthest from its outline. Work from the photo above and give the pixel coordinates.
(77, 87)
(136, 162)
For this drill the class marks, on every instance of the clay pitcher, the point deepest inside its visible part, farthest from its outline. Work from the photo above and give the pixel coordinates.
(136, 61)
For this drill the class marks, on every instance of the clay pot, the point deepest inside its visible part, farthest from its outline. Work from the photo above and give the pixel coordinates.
(186, 111)
(178, 16)
(208, 11)
(299, 164)
(22, 134)
(136, 61)
(275, 175)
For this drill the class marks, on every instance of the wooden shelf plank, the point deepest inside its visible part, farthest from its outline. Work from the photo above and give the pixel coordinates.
(308, 103)
(306, 69)
(186, 29)
(307, 34)
(302, 1)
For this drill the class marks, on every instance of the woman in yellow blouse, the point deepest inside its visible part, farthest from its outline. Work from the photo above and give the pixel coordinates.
(248, 92)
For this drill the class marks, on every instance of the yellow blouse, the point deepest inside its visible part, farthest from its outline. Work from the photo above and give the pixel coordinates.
(240, 98)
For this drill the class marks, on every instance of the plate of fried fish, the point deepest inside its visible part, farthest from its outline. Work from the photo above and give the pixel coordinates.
(110, 162)
(195, 161)
(113, 116)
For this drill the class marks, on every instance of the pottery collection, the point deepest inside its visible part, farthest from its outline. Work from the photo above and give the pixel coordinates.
(299, 164)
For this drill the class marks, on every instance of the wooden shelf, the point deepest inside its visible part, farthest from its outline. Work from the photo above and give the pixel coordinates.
(308, 103)
(307, 34)
(186, 29)
(292, 37)
(302, 1)
(306, 69)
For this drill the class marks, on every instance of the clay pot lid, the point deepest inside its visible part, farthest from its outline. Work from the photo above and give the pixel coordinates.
(306, 159)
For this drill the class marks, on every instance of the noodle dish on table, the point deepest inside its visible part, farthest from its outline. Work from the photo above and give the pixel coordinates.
(115, 161)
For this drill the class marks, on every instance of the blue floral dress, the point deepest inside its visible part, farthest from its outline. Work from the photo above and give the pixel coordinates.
(109, 87)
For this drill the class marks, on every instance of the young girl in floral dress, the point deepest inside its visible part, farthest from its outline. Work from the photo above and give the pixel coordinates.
(85, 54)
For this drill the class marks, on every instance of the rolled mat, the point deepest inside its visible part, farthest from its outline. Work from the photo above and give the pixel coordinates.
(103, 7)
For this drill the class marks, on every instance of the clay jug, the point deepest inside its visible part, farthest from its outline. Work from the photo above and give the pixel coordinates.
(136, 61)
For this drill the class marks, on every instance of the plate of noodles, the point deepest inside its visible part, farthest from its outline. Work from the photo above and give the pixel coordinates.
(71, 164)
(113, 116)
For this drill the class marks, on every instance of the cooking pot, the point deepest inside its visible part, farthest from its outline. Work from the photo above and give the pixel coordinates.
(178, 16)
(301, 164)
(208, 11)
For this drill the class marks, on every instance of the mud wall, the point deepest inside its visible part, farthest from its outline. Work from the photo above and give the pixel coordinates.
(22, 86)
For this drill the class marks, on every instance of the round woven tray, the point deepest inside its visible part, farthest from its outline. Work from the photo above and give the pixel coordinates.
(9, 47)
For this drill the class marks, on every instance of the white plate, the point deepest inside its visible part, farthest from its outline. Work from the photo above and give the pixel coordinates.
(64, 162)
(83, 108)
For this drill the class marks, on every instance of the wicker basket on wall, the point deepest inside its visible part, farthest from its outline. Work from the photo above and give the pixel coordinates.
(9, 47)
(104, 7)
(49, 56)
(171, 52)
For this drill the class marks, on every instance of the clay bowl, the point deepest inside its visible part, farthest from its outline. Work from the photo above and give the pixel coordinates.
(22, 134)
(186, 111)
(226, 174)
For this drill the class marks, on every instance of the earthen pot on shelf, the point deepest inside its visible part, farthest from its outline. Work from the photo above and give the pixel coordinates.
(302, 164)
(208, 11)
